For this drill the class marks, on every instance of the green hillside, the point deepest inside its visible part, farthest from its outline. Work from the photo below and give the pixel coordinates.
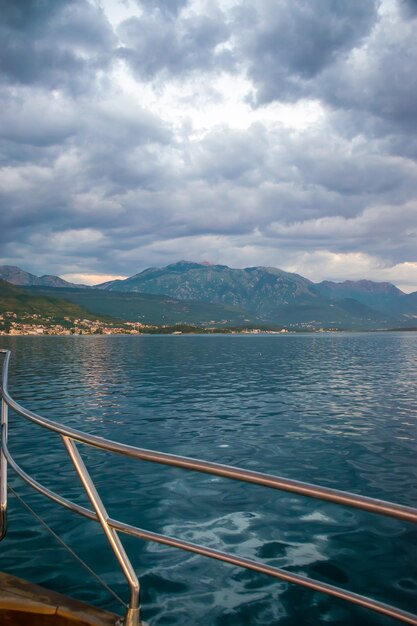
(22, 302)
(150, 308)
(346, 314)
(157, 309)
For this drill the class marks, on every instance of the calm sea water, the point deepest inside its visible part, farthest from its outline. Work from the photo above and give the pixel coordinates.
(339, 410)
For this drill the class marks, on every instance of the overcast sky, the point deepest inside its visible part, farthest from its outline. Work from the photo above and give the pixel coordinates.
(136, 133)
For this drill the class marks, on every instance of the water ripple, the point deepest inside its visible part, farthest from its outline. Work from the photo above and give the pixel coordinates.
(339, 410)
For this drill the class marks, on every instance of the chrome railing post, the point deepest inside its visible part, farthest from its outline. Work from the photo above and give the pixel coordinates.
(132, 617)
(3, 461)
(3, 470)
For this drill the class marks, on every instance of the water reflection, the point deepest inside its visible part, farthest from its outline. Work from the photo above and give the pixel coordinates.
(337, 410)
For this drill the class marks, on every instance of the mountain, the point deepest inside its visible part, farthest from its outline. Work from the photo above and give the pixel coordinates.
(273, 295)
(382, 296)
(407, 304)
(150, 308)
(17, 276)
(21, 302)
(200, 293)
(255, 289)
(346, 313)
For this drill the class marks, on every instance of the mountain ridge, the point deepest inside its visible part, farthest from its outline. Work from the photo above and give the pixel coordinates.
(256, 288)
(16, 276)
(257, 294)
(274, 294)
(245, 287)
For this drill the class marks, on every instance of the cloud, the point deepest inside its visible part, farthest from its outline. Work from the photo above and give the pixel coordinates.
(409, 8)
(170, 6)
(160, 44)
(91, 279)
(287, 45)
(378, 80)
(389, 226)
(119, 146)
(55, 44)
(327, 265)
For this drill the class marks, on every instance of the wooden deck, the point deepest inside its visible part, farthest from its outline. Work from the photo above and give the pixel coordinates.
(25, 604)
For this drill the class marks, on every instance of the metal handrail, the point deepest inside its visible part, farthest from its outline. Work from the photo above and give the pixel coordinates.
(110, 526)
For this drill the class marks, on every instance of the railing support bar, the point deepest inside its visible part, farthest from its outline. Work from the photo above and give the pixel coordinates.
(110, 527)
(3, 470)
(132, 617)
(232, 559)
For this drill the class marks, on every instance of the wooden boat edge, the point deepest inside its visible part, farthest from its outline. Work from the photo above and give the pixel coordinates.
(18, 596)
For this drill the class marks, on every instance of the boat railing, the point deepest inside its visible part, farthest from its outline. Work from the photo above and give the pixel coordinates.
(71, 439)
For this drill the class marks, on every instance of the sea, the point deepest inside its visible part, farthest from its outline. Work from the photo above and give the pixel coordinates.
(335, 409)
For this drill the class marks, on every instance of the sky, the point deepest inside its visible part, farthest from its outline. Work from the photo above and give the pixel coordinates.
(136, 133)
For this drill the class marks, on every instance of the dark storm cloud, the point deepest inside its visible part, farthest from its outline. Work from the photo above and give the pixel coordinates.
(56, 44)
(157, 43)
(381, 84)
(59, 170)
(409, 7)
(361, 170)
(93, 180)
(288, 44)
(132, 187)
(293, 51)
(234, 155)
(393, 226)
(23, 121)
(171, 6)
(179, 207)
(304, 175)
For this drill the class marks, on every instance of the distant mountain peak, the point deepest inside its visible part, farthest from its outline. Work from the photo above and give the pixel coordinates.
(364, 286)
(16, 276)
(184, 264)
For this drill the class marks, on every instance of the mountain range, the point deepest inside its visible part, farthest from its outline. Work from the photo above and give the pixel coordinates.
(16, 276)
(202, 293)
